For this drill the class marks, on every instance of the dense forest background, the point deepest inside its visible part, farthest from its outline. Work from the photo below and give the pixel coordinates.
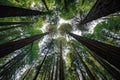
(59, 40)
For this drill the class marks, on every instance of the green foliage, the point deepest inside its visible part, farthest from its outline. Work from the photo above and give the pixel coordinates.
(60, 40)
(64, 27)
(71, 60)
(32, 51)
(52, 29)
(73, 7)
(112, 24)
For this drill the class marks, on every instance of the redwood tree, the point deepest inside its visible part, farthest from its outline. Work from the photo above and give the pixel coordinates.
(10, 11)
(61, 68)
(18, 24)
(9, 47)
(108, 52)
(102, 8)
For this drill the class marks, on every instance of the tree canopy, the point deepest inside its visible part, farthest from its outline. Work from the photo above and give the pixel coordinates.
(59, 40)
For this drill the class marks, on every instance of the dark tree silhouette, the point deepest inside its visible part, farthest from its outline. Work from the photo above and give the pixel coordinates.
(115, 73)
(108, 52)
(61, 64)
(40, 66)
(13, 23)
(9, 47)
(44, 2)
(91, 76)
(102, 8)
(18, 24)
(56, 70)
(10, 11)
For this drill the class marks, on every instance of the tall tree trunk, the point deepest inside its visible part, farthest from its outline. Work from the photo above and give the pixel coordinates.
(115, 73)
(11, 61)
(14, 23)
(44, 2)
(44, 77)
(102, 8)
(9, 47)
(40, 66)
(10, 66)
(83, 76)
(61, 63)
(3, 36)
(65, 4)
(29, 70)
(91, 76)
(57, 67)
(48, 76)
(53, 67)
(108, 52)
(77, 75)
(8, 71)
(20, 24)
(10, 11)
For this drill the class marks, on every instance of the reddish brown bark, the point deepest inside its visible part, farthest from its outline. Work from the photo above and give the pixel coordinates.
(92, 77)
(13, 23)
(108, 52)
(102, 8)
(9, 47)
(19, 24)
(61, 63)
(10, 11)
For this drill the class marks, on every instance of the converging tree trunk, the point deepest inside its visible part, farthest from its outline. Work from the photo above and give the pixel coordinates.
(7, 35)
(45, 75)
(56, 70)
(102, 8)
(65, 4)
(44, 2)
(82, 73)
(9, 47)
(91, 76)
(11, 61)
(40, 66)
(76, 72)
(61, 68)
(108, 52)
(10, 11)
(15, 25)
(29, 70)
(115, 73)
(53, 67)
(11, 67)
